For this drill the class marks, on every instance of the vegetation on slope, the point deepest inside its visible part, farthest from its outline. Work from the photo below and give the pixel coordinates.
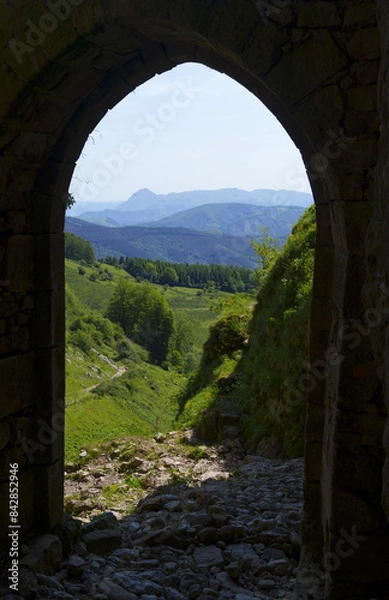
(256, 354)
(277, 357)
(112, 389)
(78, 249)
(263, 374)
(221, 353)
(140, 402)
(144, 315)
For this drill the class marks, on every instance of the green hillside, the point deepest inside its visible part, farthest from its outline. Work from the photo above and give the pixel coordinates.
(91, 285)
(259, 360)
(231, 347)
(140, 402)
(111, 388)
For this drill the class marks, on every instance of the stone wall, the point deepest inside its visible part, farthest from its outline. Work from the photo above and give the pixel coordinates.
(315, 65)
(378, 240)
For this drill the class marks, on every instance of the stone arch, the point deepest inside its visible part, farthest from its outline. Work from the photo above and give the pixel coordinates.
(314, 64)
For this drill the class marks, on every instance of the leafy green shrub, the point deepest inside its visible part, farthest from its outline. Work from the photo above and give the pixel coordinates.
(175, 359)
(191, 362)
(226, 338)
(124, 349)
(145, 316)
(128, 350)
(267, 250)
(107, 330)
(93, 331)
(82, 340)
(169, 276)
(77, 325)
(228, 335)
(77, 248)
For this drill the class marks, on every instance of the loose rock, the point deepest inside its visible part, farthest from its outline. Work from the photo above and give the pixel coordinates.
(229, 536)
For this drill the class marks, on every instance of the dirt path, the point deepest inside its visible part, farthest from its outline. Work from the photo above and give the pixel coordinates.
(119, 373)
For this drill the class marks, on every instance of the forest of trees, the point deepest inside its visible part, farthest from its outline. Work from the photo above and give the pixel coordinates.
(224, 277)
(77, 248)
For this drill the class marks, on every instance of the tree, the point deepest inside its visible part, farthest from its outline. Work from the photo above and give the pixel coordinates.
(150, 271)
(267, 250)
(184, 336)
(169, 276)
(77, 248)
(68, 200)
(225, 277)
(145, 316)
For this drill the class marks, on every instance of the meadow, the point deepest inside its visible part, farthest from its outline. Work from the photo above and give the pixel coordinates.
(144, 399)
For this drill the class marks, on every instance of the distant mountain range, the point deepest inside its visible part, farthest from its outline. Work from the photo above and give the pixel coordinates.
(235, 219)
(174, 244)
(201, 226)
(146, 207)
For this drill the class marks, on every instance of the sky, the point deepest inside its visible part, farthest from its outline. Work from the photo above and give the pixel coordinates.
(191, 128)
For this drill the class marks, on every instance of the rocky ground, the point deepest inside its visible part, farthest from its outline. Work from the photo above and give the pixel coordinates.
(181, 522)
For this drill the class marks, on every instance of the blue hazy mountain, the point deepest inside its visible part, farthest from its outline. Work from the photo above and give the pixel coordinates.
(145, 207)
(174, 244)
(235, 219)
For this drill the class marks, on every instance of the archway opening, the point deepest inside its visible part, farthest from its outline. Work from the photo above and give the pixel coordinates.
(215, 137)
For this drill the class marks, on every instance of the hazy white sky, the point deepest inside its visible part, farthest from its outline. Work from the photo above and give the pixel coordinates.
(190, 128)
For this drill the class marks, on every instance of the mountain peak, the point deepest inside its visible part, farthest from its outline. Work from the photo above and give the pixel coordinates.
(143, 192)
(139, 200)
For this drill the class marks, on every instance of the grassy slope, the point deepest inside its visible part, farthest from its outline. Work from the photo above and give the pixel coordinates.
(266, 370)
(142, 401)
(195, 309)
(84, 296)
(92, 295)
(276, 360)
(271, 366)
(202, 389)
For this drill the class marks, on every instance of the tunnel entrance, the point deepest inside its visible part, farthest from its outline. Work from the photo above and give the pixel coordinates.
(65, 64)
(220, 108)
